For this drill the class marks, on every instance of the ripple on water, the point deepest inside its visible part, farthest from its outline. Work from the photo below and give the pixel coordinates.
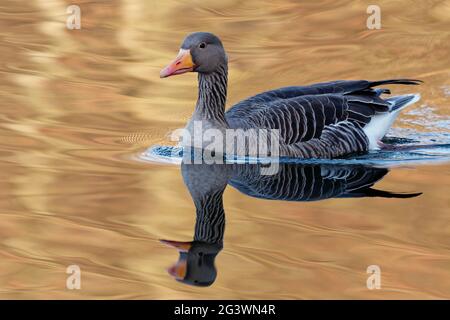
(426, 148)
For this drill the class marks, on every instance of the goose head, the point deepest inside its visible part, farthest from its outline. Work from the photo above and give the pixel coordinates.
(200, 52)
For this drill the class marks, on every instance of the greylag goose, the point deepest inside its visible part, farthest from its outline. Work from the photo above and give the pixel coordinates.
(293, 182)
(323, 120)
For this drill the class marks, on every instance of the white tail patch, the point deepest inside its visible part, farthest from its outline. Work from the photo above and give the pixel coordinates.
(379, 125)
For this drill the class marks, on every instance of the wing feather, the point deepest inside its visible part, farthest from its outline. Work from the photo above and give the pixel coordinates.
(304, 113)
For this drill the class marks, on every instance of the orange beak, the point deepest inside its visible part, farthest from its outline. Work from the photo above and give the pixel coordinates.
(183, 63)
(179, 269)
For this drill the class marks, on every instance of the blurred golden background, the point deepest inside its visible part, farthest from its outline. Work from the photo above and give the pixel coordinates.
(78, 106)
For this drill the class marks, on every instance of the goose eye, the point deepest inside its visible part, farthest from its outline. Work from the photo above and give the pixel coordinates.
(202, 45)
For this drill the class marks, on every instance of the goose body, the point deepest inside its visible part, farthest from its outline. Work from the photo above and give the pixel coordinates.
(324, 120)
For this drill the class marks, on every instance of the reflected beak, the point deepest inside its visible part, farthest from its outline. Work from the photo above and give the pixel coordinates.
(181, 246)
(178, 270)
(182, 64)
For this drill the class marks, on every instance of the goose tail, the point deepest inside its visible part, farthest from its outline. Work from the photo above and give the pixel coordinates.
(380, 123)
(370, 192)
(400, 102)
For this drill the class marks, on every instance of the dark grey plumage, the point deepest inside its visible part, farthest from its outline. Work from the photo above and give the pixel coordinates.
(212, 92)
(323, 120)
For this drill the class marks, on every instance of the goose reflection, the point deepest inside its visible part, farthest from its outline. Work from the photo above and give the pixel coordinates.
(292, 182)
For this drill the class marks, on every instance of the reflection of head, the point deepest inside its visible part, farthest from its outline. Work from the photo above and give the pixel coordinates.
(195, 265)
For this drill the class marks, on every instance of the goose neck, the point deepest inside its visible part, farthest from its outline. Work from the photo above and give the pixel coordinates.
(212, 95)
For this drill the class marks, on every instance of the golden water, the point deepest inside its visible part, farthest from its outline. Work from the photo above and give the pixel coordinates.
(77, 107)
